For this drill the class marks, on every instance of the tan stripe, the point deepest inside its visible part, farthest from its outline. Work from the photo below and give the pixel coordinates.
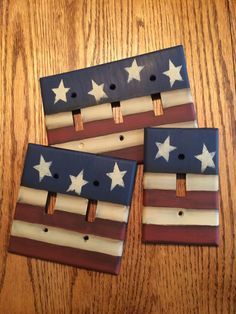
(59, 120)
(202, 182)
(160, 181)
(171, 216)
(32, 196)
(112, 211)
(72, 204)
(106, 143)
(95, 113)
(176, 97)
(66, 238)
(136, 105)
(113, 141)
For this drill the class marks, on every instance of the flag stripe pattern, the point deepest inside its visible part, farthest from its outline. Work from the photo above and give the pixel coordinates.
(132, 84)
(94, 245)
(194, 218)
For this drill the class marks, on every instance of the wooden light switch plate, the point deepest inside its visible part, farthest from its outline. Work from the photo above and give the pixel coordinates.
(194, 217)
(67, 236)
(104, 109)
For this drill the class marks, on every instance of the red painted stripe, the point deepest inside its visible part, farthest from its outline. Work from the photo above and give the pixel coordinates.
(175, 114)
(134, 153)
(75, 222)
(65, 255)
(194, 199)
(202, 235)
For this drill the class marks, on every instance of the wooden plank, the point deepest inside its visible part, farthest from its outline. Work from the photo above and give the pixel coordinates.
(201, 182)
(61, 237)
(136, 105)
(198, 235)
(179, 216)
(66, 255)
(71, 204)
(32, 196)
(160, 181)
(101, 144)
(95, 113)
(114, 212)
(176, 97)
(71, 221)
(59, 120)
(168, 198)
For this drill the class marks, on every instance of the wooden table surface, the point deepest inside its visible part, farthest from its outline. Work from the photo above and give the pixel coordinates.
(44, 37)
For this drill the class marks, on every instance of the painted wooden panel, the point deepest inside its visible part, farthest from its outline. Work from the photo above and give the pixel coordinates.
(143, 75)
(189, 219)
(177, 115)
(75, 173)
(130, 84)
(181, 150)
(76, 178)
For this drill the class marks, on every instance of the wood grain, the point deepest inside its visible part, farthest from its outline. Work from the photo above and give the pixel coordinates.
(42, 37)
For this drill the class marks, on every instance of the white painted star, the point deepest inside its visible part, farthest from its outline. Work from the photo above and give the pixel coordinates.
(77, 182)
(43, 168)
(164, 149)
(116, 177)
(206, 158)
(97, 91)
(60, 92)
(134, 71)
(173, 73)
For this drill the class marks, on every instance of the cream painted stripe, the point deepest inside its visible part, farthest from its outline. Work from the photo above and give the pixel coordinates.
(71, 204)
(170, 216)
(32, 196)
(136, 105)
(106, 143)
(66, 238)
(59, 120)
(176, 97)
(111, 142)
(160, 181)
(202, 182)
(111, 211)
(95, 113)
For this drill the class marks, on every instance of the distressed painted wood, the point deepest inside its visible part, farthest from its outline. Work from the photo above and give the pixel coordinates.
(39, 38)
(132, 84)
(75, 177)
(169, 152)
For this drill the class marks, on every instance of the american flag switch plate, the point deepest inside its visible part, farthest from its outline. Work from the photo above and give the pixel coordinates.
(66, 236)
(194, 217)
(116, 101)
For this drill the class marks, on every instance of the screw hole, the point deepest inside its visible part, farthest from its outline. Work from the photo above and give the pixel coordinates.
(122, 137)
(73, 95)
(152, 78)
(56, 176)
(112, 86)
(180, 213)
(96, 183)
(181, 156)
(45, 229)
(86, 238)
